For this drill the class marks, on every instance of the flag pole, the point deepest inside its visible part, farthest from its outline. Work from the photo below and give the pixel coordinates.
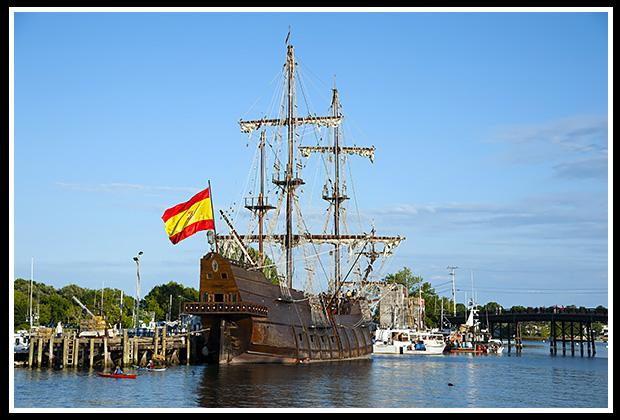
(213, 215)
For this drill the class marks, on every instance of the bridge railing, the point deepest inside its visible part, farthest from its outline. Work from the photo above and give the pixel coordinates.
(556, 310)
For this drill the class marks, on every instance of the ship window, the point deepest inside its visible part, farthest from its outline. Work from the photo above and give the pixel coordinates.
(219, 297)
(210, 297)
(301, 337)
(209, 276)
(312, 338)
(224, 275)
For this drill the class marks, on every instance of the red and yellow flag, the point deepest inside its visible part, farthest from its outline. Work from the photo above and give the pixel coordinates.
(185, 219)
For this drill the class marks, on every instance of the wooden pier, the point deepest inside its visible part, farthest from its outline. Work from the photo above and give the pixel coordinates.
(71, 351)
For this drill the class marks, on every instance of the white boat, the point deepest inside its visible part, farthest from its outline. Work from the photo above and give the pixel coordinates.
(407, 341)
(495, 346)
(21, 347)
(21, 343)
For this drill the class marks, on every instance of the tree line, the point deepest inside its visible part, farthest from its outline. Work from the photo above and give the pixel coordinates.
(165, 302)
(50, 305)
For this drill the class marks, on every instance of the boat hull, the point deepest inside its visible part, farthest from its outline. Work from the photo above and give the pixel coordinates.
(392, 349)
(111, 375)
(246, 319)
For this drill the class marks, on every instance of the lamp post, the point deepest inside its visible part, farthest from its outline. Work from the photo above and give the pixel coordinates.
(137, 260)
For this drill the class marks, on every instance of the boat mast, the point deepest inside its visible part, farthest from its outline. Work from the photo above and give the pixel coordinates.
(260, 206)
(336, 197)
(290, 189)
(290, 180)
(261, 198)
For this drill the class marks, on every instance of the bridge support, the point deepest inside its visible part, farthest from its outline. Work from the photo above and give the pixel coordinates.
(567, 333)
(572, 325)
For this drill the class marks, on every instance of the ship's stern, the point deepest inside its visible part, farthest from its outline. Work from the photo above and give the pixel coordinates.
(227, 321)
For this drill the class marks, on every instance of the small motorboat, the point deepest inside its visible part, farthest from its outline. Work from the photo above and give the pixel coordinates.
(112, 375)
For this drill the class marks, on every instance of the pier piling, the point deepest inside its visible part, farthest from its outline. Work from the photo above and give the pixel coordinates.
(73, 351)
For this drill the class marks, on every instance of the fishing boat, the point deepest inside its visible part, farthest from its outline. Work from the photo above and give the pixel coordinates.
(118, 376)
(302, 296)
(470, 338)
(407, 341)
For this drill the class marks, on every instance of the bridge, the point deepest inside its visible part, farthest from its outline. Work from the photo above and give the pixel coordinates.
(566, 325)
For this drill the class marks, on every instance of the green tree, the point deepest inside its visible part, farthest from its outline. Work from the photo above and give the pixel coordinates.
(491, 307)
(404, 277)
(59, 309)
(20, 310)
(158, 299)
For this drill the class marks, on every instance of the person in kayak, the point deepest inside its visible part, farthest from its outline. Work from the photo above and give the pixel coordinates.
(117, 370)
(149, 364)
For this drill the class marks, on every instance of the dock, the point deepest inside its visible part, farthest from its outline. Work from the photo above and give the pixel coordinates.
(71, 351)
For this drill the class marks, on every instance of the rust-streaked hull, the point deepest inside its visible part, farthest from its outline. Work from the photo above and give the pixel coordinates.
(248, 320)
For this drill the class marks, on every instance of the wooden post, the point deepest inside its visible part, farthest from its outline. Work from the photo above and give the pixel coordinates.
(572, 339)
(31, 351)
(40, 352)
(65, 351)
(125, 359)
(551, 336)
(588, 334)
(509, 336)
(155, 340)
(91, 354)
(135, 346)
(187, 344)
(107, 360)
(76, 351)
(563, 339)
(163, 342)
(593, 346)
(51, 358)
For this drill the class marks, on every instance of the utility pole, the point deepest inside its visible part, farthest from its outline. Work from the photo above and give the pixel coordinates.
(453, 289)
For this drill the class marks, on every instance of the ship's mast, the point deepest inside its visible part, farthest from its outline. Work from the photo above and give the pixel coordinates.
(260, 206)
(289, 181)
(336, 197)
(290, 189)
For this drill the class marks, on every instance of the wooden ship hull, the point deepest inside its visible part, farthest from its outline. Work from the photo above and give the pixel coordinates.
(248, 320)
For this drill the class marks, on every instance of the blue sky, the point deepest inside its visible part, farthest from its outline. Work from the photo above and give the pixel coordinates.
(491, 132)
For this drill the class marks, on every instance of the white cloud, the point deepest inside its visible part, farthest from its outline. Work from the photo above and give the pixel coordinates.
(575, 146)
(562, 215)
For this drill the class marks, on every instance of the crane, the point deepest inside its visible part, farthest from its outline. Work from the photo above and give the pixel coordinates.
(100, 323)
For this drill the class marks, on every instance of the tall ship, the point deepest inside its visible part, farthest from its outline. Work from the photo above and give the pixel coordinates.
(279, 292)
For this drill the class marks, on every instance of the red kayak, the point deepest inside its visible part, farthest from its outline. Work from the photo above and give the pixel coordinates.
(111, 375)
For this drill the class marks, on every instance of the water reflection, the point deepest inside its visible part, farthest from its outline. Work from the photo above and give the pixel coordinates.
(334, 384)
(532, 379)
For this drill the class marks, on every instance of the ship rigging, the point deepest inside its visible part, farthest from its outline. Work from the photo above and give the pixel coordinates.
(288, 129)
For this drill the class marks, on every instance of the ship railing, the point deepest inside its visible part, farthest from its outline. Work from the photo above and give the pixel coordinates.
(215, 308)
